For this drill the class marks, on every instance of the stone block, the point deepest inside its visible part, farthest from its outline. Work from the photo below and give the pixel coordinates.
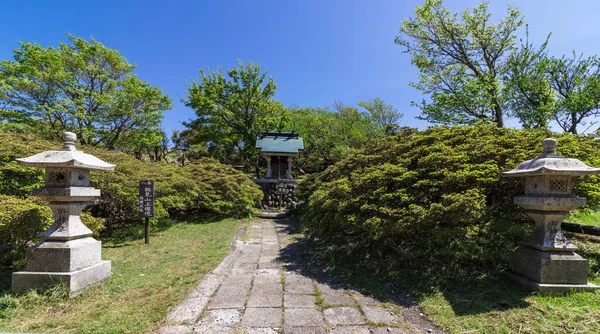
(304, 330)
(343, 316)
(378, 314)
(549, 267)
(350, 330)
(303, 318)
(64, 256)
(299, 301)
(338, 298)
(262, 317)
(75, 281)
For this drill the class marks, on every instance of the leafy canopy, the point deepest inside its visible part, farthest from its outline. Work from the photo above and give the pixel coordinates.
(232, 111)
(83, 87)
(461, 61)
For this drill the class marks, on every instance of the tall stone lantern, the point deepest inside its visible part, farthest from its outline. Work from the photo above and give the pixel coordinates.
(68, 253)
(546, 261)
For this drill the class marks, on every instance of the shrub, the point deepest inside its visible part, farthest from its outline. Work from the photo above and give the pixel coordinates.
(433, 197)
(205, 188)
(21, 221)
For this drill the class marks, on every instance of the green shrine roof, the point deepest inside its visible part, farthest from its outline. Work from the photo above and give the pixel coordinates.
(279, 142)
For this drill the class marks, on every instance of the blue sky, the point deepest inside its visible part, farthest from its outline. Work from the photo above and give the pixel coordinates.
(318, 51)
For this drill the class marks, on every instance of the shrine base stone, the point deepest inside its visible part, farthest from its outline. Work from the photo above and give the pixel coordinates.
(75, 281)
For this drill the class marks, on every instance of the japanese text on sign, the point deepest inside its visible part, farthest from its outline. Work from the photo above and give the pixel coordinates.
(146, 198)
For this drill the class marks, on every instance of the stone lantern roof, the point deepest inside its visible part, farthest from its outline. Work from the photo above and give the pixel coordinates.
(551, 163)
(68, 157)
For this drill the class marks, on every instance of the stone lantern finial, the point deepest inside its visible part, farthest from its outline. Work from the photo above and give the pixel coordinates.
(546, 260)
(549, 145)
(69, 139)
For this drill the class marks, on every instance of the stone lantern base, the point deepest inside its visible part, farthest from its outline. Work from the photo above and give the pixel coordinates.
(73, 263)
(550, 272)
(74, 281)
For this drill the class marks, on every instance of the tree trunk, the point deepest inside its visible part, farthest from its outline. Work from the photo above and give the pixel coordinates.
(499, 116)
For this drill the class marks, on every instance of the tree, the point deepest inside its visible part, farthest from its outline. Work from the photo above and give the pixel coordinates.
(576, 81)
(461, 62)
(531, 98)
(233, 111)
(83, 87)
(382, 115)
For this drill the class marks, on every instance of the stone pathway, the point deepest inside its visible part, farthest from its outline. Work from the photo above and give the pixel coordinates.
(252, 291)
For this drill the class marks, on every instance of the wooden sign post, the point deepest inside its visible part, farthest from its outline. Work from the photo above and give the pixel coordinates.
(147, 205)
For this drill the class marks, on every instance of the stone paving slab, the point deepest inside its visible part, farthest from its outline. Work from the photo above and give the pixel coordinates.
(337, 299)
(303, 318)
(350, 330)
(258, 300)
(299, 301)
(299, 289)
(304, 330)
(246, 294)
(343, 316)
(262, 317)
(378, 314)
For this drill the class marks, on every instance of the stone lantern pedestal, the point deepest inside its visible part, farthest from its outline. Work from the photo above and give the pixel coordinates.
(68, 254)
(546, 261)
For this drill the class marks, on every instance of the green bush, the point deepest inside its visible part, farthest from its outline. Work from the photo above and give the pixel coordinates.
(21, 221)
(205, 188)
(433, 197)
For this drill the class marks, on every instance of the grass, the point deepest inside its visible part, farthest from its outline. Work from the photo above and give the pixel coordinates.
(585, 217)
(472, 301)
(146, 281)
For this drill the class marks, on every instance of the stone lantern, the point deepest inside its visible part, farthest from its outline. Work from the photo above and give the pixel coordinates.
(546, 261)
(68, 254)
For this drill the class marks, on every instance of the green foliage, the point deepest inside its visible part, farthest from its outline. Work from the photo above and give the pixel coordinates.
(461, 61)
(434, 197)
(233, 111)
(205, 188)
(576, 81)
(331, 135)
(83, 87)
(21, 220)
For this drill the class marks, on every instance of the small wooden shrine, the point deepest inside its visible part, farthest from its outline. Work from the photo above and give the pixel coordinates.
(279, 150)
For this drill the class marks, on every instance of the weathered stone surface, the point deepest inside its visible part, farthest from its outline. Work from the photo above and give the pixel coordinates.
(262, 317)
(267, 289)
(364, 300)
(74, 281)
(265, 300)
(549, 267)
(350, 330)
(188, 311)
(343, 316)
(207, 286)
(299, 301)
(303, 318)
(230, 297)
(337, 298)
(299, 289)
(304, 330)
(66, 256)
(225, 317)
(378, 314)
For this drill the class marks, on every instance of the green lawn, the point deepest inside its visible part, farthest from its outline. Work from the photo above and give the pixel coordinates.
(146, 281)
(585, 217)
(474, 301)
(494, 304)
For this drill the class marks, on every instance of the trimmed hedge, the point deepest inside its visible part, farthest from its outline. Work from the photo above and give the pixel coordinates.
(206, 188)
(433, 197)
